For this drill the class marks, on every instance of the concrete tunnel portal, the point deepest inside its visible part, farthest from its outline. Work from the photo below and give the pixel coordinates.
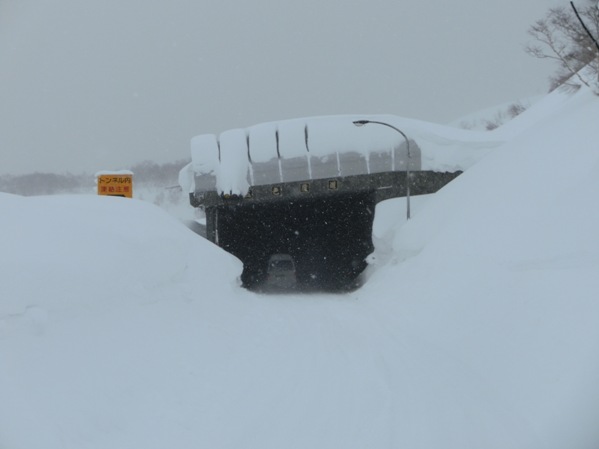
(324, 225)
(329, 238)
(305, 189)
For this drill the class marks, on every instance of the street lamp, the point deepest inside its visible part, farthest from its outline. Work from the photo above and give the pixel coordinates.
(365, 122)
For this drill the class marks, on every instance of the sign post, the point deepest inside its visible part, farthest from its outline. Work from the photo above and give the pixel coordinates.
(117, 183)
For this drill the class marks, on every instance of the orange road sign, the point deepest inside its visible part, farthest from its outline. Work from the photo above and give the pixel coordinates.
(115, 185)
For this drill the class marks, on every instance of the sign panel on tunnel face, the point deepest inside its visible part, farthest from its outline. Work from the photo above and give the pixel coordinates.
(115, 185)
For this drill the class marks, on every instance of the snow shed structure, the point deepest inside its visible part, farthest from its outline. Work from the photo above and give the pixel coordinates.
(305, 187)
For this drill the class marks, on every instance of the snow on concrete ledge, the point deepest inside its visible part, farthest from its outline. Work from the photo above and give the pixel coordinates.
(227, 163)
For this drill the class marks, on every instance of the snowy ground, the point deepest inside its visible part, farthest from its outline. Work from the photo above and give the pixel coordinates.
(478, 326)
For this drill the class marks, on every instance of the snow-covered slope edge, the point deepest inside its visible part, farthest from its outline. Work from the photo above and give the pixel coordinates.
(97, 247)
(500, 268)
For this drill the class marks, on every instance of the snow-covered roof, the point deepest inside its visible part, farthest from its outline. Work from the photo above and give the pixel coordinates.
(326, 146)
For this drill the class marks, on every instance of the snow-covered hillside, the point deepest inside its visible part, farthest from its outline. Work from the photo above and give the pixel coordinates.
(478, 326)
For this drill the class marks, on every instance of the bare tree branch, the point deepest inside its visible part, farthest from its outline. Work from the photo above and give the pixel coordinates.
(559, 37)
(584, 25)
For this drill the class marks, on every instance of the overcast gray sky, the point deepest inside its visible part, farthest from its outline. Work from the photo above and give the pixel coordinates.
(93, 85)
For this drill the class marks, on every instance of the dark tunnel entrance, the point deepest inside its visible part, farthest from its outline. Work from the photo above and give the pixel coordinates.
(328, 238)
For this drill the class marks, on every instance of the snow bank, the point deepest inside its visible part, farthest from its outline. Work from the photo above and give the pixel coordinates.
(477, 327)
(90, 250)
(542, 109)
(500, 269)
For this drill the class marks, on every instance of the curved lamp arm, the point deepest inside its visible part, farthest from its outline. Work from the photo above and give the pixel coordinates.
(366, 122)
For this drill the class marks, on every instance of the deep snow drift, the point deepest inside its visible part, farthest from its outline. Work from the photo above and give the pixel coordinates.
(478, 326)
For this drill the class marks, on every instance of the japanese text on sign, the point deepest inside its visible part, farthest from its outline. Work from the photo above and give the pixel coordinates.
(115, 185)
